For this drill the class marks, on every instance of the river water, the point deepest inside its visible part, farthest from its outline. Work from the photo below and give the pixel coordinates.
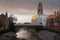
(30, 34)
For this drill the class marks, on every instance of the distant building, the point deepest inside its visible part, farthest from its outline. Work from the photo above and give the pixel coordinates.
(53, 21)
(12, 19)
(39, 18)
(4, 22)
(27, 23)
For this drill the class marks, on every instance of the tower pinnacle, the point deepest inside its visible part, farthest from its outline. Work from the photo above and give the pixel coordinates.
(40, 8)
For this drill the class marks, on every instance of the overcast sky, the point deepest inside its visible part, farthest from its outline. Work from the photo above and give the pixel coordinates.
(28, 7)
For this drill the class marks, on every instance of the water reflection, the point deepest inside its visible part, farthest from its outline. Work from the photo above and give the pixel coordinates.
(27, 34)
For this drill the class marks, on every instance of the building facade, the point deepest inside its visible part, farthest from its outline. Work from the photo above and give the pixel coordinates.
(39, 18)
(53, 21)
(4, 22)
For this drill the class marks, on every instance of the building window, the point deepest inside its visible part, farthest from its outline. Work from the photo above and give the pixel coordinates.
(40, 22)
(40, 19)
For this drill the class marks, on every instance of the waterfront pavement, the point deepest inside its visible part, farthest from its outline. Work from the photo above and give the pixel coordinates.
(47, 35)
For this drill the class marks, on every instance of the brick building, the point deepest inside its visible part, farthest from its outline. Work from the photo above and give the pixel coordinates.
(4, 22)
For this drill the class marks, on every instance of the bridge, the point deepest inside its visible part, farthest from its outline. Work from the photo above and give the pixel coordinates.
(34, 26)
(28, 25)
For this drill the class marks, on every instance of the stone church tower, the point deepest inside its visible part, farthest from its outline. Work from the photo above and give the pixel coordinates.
(40, 8)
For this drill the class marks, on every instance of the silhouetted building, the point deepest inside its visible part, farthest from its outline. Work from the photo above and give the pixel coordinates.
(10, 18)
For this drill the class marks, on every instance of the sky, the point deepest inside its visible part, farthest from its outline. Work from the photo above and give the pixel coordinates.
(28, 8)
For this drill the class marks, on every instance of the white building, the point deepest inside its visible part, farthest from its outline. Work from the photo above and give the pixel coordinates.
(40, 18)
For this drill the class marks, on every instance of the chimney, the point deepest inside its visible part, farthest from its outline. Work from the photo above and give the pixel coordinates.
(59, 10)
(6, 14)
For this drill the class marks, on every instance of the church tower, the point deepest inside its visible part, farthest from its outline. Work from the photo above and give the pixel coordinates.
(40, 8)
